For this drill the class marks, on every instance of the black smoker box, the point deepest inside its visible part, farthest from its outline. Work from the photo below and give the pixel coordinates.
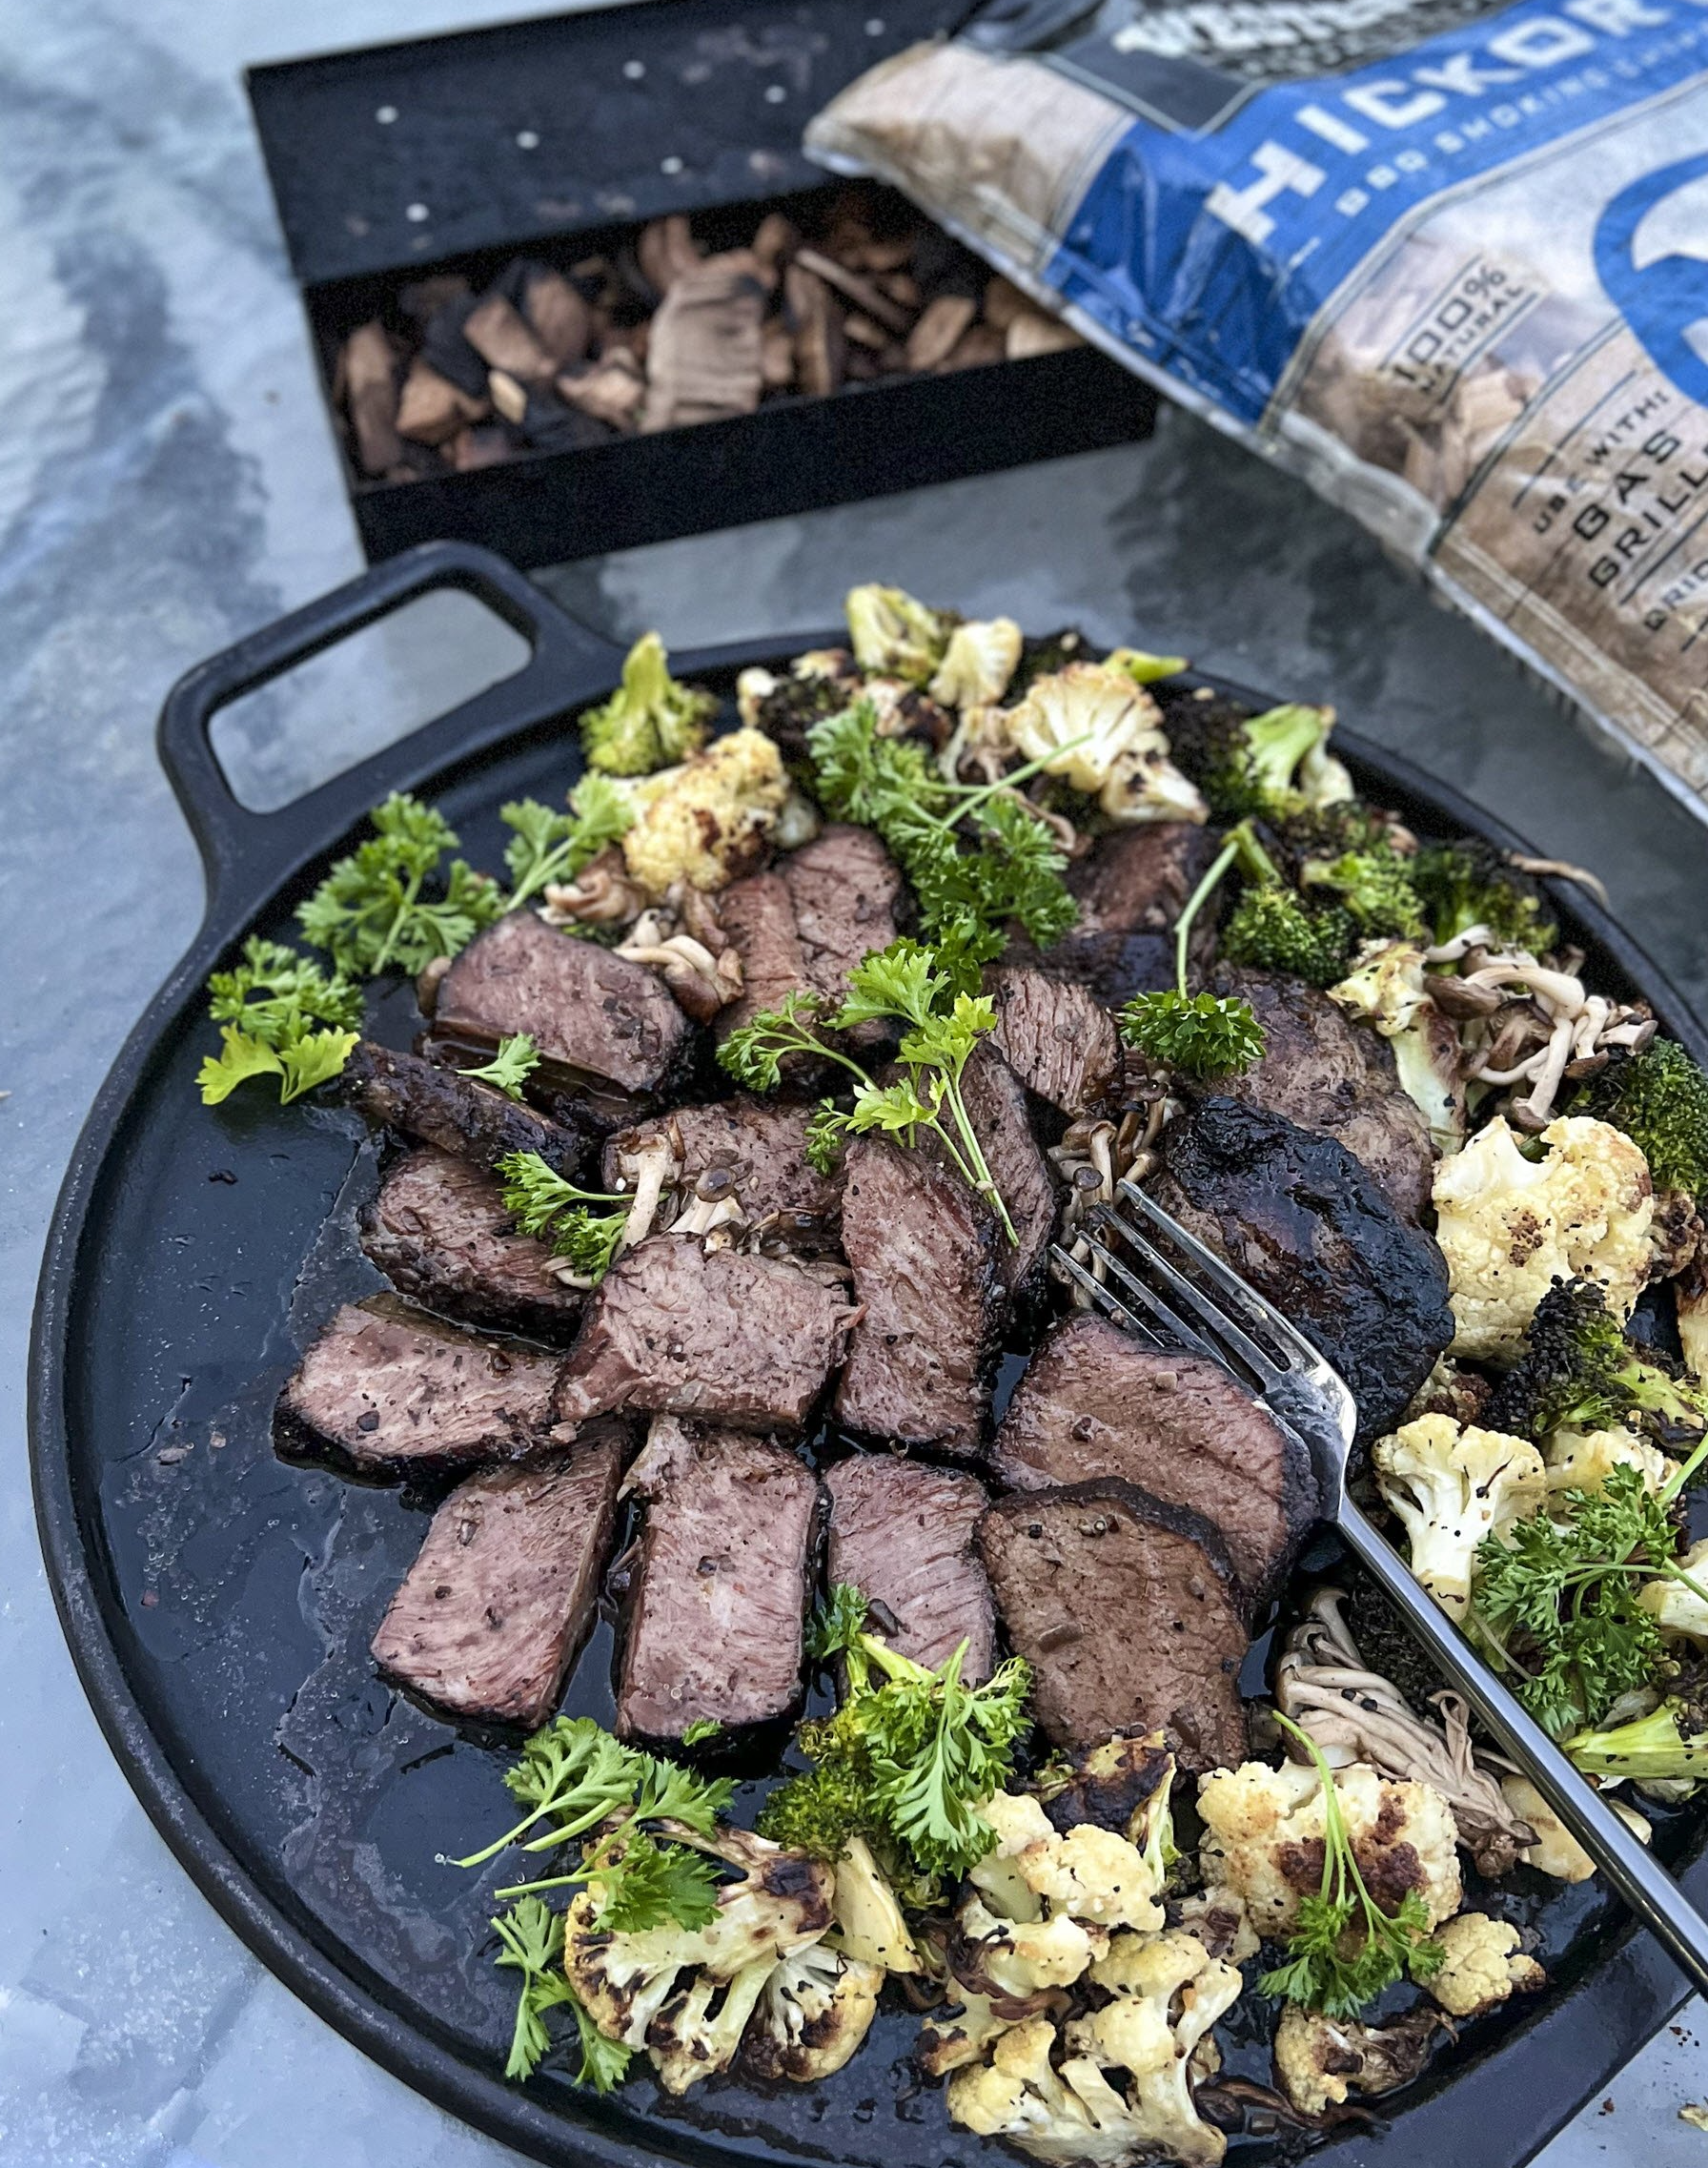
(560, 139)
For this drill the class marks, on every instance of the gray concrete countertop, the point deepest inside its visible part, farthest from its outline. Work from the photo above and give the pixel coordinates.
(166, 484)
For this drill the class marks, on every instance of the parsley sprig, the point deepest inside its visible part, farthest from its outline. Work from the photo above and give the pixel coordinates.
(517, 1059)
(554, 1210)
(280, 1015)
(1204, 1034)
(532, 1939)
(372, 913)
(547, 846)
(905, 983)
(1342, 1948)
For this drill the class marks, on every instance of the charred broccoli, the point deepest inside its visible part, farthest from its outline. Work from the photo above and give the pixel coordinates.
(650, 720)
(1579, 1370)
(1660, 1099)
(1669, 1743)
(1374, 884)
(1263, 766)
(1474, 883)
(1276, 930)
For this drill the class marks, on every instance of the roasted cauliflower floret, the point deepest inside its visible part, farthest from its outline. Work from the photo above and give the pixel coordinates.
(1557, 1851)
(1508, 1226)
(706, 821)
(961, 2029)
(869, 1925)
(1481, 1965)
(978, 663)
(1102, 733)
(1320, 2059)
(1452, 1487)
(1386, 988)
(1578, 1460)
(1017, 1958)
(1090, 1874)
(1677, 1608)
(814, 2010)
(699, 2028)
(1166, 1993)
(1264, 1840)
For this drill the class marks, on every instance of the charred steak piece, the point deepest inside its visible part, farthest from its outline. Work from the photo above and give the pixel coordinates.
(1131, 888)
(903, 1532)
(748, 1341)
(439, 1230)
(496, 1607)
(1096, 1401)
(996, 1105)
(394, 1387)
(758, 916)
(1054, 1036)
(1128, 1611)
(589, 1012)
(1297, 1214)
(761, 1145)
(718, 1603)
(922, 1247)
(1324, 1071)
(808, 921)
(434, 1103)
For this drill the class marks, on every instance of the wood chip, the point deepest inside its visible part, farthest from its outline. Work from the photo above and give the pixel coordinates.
(611, 390)
(484, 447)
(508, 396)
(431, 409)
(1031, 332)
(501, 338)
(864, 292)
(370, 380)
(425, 298)
(776, 241)
(703, 361)
(818, 325)
(664, 250)
(777, 356)
(1004, 301)
(864, 332)
(937, 333)
(977, 347)
(557, 316)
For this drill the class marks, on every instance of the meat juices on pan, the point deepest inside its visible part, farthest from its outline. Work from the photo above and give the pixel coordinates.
(748, 1341)
(1126, 1611)
(442, 1106)
(1096, 1401)
(393, 1387)
(1055, 1036)
(719, 1598)
(495, 1609)
(903, 1532)
(439, 1230)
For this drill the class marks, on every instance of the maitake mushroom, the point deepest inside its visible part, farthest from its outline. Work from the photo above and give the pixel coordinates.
(1093, 1155)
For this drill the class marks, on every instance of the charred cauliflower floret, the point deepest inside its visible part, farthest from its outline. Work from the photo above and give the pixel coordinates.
(1677, 1608)
(1068, 2114)
(962, 2028)
(1481, 1965)
(1320, 2059)
(978, 663)
(1557, 1851)
(869, 1924)
(1088, 1873)
(1452, 1486)
(1102, 734)
(1263, 1839)
(1018, 1958)
(706, 821)
(1386, 988)
(814, 2010)
(1509, 1227)
(1578, 1460)
(698, 2030)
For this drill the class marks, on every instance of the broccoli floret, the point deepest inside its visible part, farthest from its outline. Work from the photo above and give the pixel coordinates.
(1374, 883)
(1326, 832)
(650, 720)
(1660, 1099)
(1263, 766)
(1474, 883)
(1666, 1745)
(1579, 1370)
(1274, 930)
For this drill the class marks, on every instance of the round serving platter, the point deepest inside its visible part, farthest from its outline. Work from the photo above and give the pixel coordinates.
(220, 1601)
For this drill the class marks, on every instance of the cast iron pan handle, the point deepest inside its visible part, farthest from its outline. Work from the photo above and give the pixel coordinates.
(248, 855)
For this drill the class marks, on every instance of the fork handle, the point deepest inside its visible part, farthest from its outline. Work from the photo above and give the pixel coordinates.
(1632, 1868)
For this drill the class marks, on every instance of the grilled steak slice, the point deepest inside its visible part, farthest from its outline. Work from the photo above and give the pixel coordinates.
(394, 1387)
(1128, 1611)
(903, 1532)
(717, 1603)
(845, 888)
(748, 1341)
(1310, 1229)
(1131, 888)
(439, 1230)
(428, 1102)
(589, 1012)
(1096, 1401)
(761, 1144)
(758, 916)
(923, 1251)
(1054, 1036)
(1324, 1071)
(496, 1607)
(996, 1105)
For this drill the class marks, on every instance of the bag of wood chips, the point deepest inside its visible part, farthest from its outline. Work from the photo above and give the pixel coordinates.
(1449, 263)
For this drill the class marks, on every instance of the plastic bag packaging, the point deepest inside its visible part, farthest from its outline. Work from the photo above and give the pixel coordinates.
(1448, 263)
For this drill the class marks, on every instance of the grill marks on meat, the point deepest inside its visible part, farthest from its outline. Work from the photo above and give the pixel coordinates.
(808, 921)
(719, 1598)
(922, 1247)
(996, 1107)
(588, 1010)
(392, 1387)
(1131, 888)
(904, 1533)
(1324, 1071)
(1054, 1035)
(748, 1341)
(439, 1230)
(761, 1144)
(1310, 1229)
(1096, 1403)
(1128, 1611)
(439, 1106)
(496, 1607)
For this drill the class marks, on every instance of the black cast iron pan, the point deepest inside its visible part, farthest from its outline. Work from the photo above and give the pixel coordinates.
(219, 1602)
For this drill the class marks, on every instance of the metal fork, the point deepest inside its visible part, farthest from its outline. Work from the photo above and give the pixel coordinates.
(1250, 1338)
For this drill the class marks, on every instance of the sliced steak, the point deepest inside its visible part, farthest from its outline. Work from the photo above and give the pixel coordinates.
(922, 1247)
(1131, 888)
(439, 1230)
(426, 1100)
(394, 1387)
(1128, 1611)
(495, 1609)
(761, 1144)
(845, 888)
(903, 1532)
(1311, 1228)
(1054, 1035)
(590, 1013)
(758, 916)
(1324, 1071)
(996, 1107)
(748, 1341)
(1095, 1401)
(717, 1603)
